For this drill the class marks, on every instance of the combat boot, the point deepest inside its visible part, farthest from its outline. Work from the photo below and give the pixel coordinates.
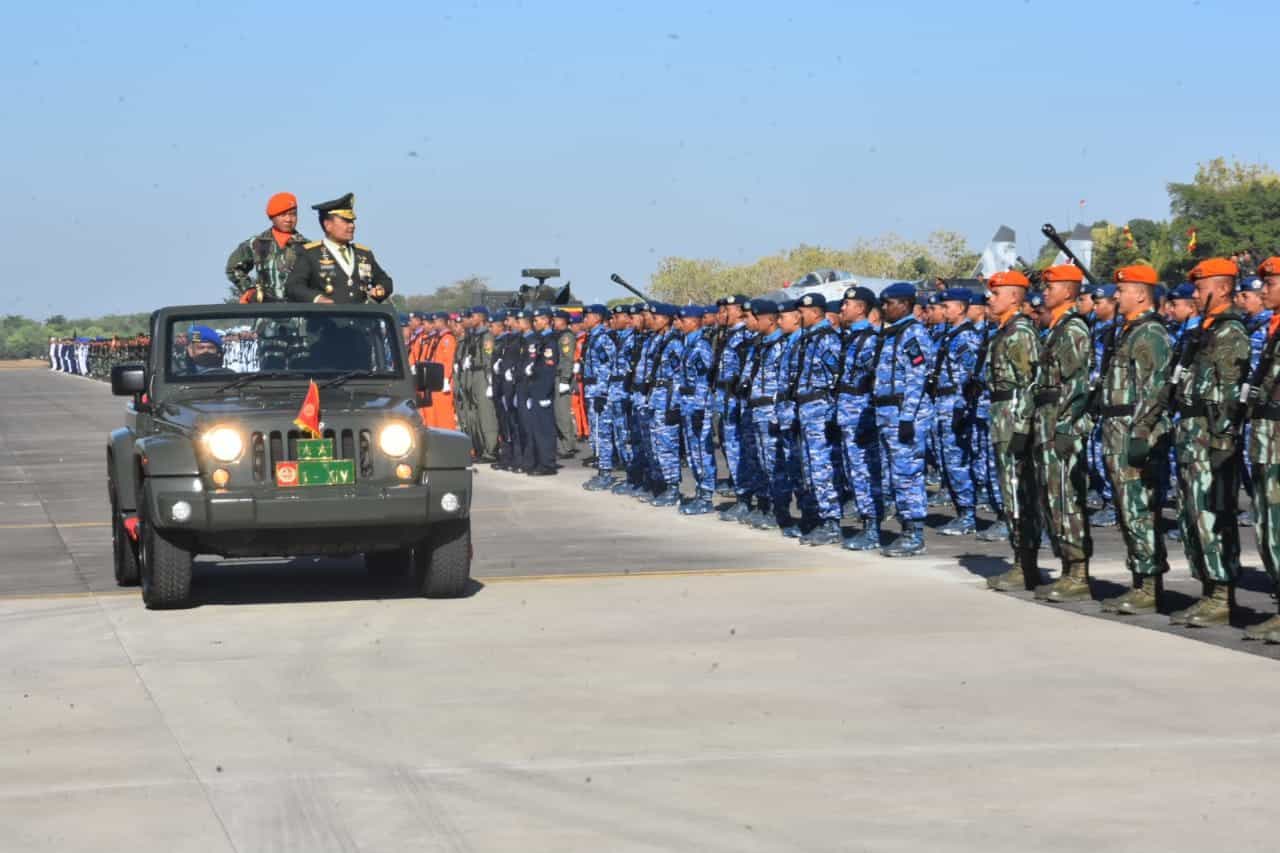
(735, 512)
(1073, 585)
(670, 496)
(700, 504)
(724, 489)
(1025, 575)
(1216, 609)
(997, 531)
(590, 461)
(766, 521)
(962, 525)
(909, 544)
(599, 483)
(790, 528)
(1262, 629)
(826, 533)
(1142, 599)
(938, 498)
(866, 540)
(1105, 517)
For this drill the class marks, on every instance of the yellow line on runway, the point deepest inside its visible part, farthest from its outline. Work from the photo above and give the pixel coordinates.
(47, 524)
(660, 573)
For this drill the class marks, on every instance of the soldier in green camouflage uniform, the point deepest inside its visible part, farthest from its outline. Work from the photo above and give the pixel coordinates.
(271, 254)
(1011, 359)
(1134, 373)
(1206, 395)
(1063, 424)
(482, 385)
(1264, 445)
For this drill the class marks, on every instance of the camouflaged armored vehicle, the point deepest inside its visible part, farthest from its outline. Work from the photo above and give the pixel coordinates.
(214, 457)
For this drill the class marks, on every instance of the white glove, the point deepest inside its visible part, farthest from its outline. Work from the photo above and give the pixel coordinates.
(563, 388)
(528, 404)
(466, 363)
(507, 376)
(528, 370)
(544, 403)
(447, 387)
(576, 367)
(488, 392)
(497, 365)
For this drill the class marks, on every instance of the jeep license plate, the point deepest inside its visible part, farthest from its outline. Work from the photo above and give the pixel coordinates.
(316, 472)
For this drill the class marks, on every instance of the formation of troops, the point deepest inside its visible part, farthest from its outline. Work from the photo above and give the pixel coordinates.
(1033, 405)
(94, 357)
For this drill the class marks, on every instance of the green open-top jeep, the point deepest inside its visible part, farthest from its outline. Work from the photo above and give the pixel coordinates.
(217, 455)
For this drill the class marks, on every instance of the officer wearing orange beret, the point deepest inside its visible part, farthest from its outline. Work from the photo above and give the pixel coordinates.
(259, 266)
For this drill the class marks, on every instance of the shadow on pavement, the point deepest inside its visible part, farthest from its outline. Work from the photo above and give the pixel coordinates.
(239, 582)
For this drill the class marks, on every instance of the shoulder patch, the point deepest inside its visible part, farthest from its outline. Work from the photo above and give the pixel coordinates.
(914, 352)
(313, 244)
(548, 353)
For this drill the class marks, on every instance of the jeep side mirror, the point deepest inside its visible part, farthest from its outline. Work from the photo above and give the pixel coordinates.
(430, 376)
(128, 379)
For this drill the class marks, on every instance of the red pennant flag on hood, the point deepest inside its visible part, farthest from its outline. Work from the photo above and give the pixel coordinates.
(309, 415)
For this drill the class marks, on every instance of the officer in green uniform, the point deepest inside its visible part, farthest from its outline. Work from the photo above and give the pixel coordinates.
(463, 408)
(259, 267)
(1264, 445)
(335, 269)
(1062, 425)
(566, 428)
(1011, 365)
(1133, 373)
(484, 339)
(1207, 382)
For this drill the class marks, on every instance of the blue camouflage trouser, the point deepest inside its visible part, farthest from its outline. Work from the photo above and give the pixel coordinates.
(954, 449)
(638, 430)
(773, 483)
(1098, 478)
(857, 421)
(749, 481)
(788, 480)
(623, 441)
(986, 480)
(904, 463)
(600, 417)
(664, 442)
(695, 425)
(731, 442)
(816, 464)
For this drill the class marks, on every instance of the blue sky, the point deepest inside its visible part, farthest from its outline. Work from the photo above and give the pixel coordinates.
(482, 137)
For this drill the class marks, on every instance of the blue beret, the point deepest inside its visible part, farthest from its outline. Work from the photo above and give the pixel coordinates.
(862, 294)
(955, 294)
(934, 298)
(464, 312)
(978, 299)
(421, 315)
(735, 299)
(812, 300)
(524, 314)
(541, 311)
(562, 315)
(694, 311)
(1104, 291)
(788, 305)
(1186, 290)
(763, 306)
(200, 333)
(899, 290)
(1159, 293)
(634, 308)
(597, 308)
(500, 315)
(1250, 284)
(662, 309)
(404, 319)
(1036, 299)
(480, 311)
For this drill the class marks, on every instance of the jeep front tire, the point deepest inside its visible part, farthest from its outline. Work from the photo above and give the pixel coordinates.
(442, 561)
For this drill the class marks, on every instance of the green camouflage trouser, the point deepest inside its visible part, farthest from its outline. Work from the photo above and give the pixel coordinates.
(1138, 509)
(1266, 500)
(1210, 536)
(1063, 483)
(1017, 478)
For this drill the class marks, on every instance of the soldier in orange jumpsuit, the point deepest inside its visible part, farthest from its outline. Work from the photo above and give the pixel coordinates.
(443, 350)
(579, 402)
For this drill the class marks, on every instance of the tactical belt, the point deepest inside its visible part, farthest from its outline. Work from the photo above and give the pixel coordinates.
(761, 401)
(1053, 395)
(887, 400)
(945, 392)
(810, 396)
(642, 387)
(590, 380)
(686, 389)
(1267, 412)
(1193, 410)
(859, 389)
(742, 393)
(1123, 411)
(724, 384)
(1002, 396)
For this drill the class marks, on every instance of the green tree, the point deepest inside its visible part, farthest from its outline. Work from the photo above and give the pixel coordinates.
(1233, 207)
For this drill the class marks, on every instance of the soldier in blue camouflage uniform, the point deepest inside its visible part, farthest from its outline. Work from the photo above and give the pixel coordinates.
(730, 359)
(750, 484)
(856, 417)
(1256, 321)
(762, 400)
(692, 391)
(626, 443)
(955, 361)
(1103, 334)
(933, 470)
(986, 479)
(664, 420)
(787, 481)
(817, 372)
(598, 358)
(903, 411)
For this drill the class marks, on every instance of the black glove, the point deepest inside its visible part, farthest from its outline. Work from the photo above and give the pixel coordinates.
(1139, 450)
(1221, 458)
(1063, 444)
(959, 420)
(697, 421)
(598, 404)
(774, 428)
(907, 432)
(672, 417)
(865, 436)
(1019, 443)
(833, 433)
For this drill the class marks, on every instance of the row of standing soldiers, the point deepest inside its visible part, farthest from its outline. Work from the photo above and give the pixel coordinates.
(833, 408)
(94, 357)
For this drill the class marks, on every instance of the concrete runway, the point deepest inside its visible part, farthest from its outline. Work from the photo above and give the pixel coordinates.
(625, 679)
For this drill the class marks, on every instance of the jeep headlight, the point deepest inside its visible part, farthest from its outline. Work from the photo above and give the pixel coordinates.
(224, 444)
(396, 440)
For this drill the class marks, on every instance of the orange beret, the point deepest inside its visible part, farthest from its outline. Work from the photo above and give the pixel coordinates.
(1271, 266)
(1214, 266)
(280, 202)
(1063, 272)
(1137, 273)
(1008, 278)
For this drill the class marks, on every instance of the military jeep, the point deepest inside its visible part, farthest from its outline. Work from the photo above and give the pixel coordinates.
(218, 457)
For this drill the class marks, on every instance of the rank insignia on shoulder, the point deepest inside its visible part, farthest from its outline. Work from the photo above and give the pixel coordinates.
(313, 244)
(362, 248)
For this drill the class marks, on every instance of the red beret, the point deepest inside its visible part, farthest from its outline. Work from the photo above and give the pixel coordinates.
(1214, 266)
(1271, 266)
(280, 202)
(1063, 272)
(1008, 278)
(1137, 273)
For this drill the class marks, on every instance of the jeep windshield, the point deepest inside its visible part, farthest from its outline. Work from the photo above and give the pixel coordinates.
(243, 348)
